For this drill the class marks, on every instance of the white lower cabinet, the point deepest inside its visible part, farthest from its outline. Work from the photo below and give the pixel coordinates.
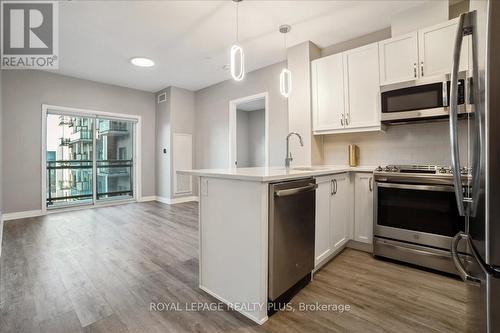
(363, 212)
(333, 214)
(341, 210)
(344, 211)
(323, 244)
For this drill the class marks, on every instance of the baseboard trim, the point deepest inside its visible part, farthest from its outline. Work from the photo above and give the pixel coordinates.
(173, 201)
(231, 305)
(39, 212)
(1, 232)
(360, 246)
(329, 258)
(22, 215)
(148, 198)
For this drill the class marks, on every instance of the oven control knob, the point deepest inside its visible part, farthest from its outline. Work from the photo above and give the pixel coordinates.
(443, 170)
(379, 168)
(394, 169)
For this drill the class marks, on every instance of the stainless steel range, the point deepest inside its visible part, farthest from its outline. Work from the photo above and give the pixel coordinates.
(416, 215)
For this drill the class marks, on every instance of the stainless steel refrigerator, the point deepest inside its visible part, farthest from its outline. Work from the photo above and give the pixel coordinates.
(479, 200)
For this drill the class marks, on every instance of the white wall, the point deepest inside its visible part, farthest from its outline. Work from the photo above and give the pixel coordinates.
(426, 143)
(182, 105)
(242, 138)
(163, 141)
(299, 59)
(422, 16)
(257, 138)
(251, 138)
(212, 116)
(175, 115)
(183, 118)
(373, 37)
(24, 92)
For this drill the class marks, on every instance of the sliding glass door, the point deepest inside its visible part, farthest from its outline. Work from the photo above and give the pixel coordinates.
(114, 147)
(69, 156)
(88, 159)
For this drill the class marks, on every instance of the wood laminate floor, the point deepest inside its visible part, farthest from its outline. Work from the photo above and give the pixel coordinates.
(98, 270)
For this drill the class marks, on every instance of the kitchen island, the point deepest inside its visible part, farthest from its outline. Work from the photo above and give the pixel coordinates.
(233, 231)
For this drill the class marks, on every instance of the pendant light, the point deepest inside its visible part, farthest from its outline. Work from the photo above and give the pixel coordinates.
(285, 75)
(237, 56)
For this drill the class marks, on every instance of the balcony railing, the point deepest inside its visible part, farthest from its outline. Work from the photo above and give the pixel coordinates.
(78, 182)
(81, 135)
(114, 167)
(64, 141)
(105, 126)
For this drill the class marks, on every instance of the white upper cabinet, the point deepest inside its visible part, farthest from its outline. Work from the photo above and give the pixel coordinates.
(435, 50)
(424, 53)
(362, 87)
(399, 59)
(328, 99)
(346, 91)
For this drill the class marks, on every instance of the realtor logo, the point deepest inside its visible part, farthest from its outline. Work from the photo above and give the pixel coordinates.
(29, 35)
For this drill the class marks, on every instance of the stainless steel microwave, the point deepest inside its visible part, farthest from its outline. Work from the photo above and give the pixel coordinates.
(421, 100)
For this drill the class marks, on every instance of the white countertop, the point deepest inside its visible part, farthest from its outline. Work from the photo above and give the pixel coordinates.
(274, 173)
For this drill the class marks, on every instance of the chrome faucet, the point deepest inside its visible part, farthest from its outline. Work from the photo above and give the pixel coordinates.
(289, 157)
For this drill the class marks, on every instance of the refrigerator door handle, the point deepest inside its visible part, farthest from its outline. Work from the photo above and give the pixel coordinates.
(466, 277)
(455, 151)
(487, 269)
(478, 116)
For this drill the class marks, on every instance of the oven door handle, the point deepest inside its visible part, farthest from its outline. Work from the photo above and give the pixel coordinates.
(434, 188)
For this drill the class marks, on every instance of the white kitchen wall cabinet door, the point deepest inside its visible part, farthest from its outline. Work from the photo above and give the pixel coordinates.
(323, 243)
(435, 45)
(341, 210)
(363, 212)
(362, 82)
(399, 59)
(328, 93)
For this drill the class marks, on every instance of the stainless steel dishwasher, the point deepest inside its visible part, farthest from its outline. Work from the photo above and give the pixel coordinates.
(291, 237)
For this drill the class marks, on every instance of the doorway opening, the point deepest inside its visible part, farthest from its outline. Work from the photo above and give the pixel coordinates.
(87, 158)
(249, 132)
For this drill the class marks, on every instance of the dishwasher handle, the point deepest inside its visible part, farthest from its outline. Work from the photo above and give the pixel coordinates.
(297, 190)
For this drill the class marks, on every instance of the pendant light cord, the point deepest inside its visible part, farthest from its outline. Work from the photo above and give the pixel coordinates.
(284, 40)
(237, 24)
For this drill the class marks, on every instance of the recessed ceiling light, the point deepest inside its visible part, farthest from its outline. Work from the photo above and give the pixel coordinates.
(142, 62)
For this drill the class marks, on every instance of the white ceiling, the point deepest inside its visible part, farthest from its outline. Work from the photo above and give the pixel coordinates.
(190, 40)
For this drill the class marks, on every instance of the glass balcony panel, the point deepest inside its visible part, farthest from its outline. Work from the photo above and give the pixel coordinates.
(114, 147)
(69, 160)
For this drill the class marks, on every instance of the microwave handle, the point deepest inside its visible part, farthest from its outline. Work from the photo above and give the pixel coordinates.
(445, 93)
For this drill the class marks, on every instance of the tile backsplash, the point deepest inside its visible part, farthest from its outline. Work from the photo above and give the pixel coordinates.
(420, 143)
